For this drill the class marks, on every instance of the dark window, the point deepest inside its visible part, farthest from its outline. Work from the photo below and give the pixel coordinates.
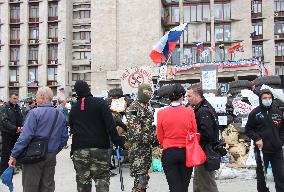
(257, 50)
(222, 32)
(256, 7)
(33, 74)
(279, 27)
(278, 5)
(257, 27)
(52, 73)
(279, 49)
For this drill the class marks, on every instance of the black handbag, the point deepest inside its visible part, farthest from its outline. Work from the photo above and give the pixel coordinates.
(213, 160)
(37, 149)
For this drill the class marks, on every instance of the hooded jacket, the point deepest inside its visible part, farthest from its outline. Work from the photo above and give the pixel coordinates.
(266, 123)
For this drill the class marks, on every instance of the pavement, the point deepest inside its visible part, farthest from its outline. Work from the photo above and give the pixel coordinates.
(65, 180)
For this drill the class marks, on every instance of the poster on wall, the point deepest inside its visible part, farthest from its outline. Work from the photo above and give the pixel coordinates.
(132, 78)
(209, 79)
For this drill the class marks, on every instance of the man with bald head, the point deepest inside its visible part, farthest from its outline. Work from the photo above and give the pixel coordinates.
(40, 176)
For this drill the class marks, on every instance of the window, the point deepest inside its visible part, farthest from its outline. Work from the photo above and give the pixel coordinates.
(33, 74)
(256, 7)
(279, 70)
(15, 33)
(223, 54)
(81, 76)
(195, 13)
(53, 31)
(175, 14)
(223, 11)
(14, 53)
(81, 14)
(83, 35)
(81, 55)
(279, 49)
(222, 32)
(257, 27)
(257, 50)
(279, 27)
(278, 5)
(33, 53)
(14, 75)
(53, 9)
(15, 12)
(52, 52)
(34, 33)
(185, 35)
(176, 57)
(52, 73)
(34, 11)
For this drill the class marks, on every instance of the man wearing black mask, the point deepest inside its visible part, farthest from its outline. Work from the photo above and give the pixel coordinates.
(11, 122)
(265, 126)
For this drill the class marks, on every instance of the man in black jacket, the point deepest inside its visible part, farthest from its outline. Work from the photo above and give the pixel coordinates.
(11, 122)
(265, 126)
(206, 119)
(92, 126)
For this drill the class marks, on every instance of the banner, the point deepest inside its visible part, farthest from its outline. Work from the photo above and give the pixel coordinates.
(132, 78)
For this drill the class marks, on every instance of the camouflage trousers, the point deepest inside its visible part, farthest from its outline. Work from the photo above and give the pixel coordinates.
(140, 158)
(91, 164)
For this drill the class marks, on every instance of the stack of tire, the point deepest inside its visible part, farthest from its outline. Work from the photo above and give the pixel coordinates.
(235, 91)
(273, 82)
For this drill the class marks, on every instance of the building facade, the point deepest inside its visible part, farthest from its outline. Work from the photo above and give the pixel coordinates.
(56, 42)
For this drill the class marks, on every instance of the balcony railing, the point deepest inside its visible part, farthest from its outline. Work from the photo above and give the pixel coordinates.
(14, 84)
(33, 62)
(52, 18)
(13, 63)
(15, 1)
(33, 41)
(257, 37)
(256, 15)
(51, 83)
(279, 58)
(52, 62)
(52, 40)
(14, 20)
(15, 41)
(279, 14)
(34, 20)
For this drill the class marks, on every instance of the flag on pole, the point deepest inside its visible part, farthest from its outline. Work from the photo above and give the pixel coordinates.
(163, 49)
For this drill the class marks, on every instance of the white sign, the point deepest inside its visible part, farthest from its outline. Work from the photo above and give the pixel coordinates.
(209, 79)
(244, 121)
(118, 105)
(241, 108)
(223, 120)
(132, 78)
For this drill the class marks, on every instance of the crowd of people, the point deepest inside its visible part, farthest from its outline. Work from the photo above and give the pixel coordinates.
(95, 129)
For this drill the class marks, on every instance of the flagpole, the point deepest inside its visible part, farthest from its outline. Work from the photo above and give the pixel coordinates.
(170, 55)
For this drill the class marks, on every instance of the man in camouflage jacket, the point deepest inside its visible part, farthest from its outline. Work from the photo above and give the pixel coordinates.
(140, 134)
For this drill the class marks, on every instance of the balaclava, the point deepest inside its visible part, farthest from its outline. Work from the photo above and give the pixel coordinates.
(143, 97)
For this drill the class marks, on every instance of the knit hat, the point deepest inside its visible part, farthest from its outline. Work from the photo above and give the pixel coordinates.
(82, 90)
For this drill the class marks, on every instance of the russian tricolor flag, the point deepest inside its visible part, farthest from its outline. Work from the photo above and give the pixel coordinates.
(163, 49)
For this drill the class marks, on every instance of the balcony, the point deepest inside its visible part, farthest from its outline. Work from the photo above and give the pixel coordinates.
(15, 41)
(52, 18)
(32, 1)
(278, 14)
(256, 15)
(52, 83)
(33, 41)
(279, 59)
(257, 38)
(33, 84)
(34, 20)
(279, 36)
(33, 63)
(15, 1)
(13, 63)
(14, 84)
(52, 62)
(15, 20)
(53, 40)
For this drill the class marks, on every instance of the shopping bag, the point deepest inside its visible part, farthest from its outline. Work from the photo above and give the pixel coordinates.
(194, 154)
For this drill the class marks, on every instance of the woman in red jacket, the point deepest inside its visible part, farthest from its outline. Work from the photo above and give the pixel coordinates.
(174, 123)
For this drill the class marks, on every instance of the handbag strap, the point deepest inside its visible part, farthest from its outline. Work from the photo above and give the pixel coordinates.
(53, 124)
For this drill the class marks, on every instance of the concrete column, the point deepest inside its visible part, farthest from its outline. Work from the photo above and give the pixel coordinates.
(24, 34)
(181, 19)
(42, 50)
(5, 36)
(268, 33)
(212, 16)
